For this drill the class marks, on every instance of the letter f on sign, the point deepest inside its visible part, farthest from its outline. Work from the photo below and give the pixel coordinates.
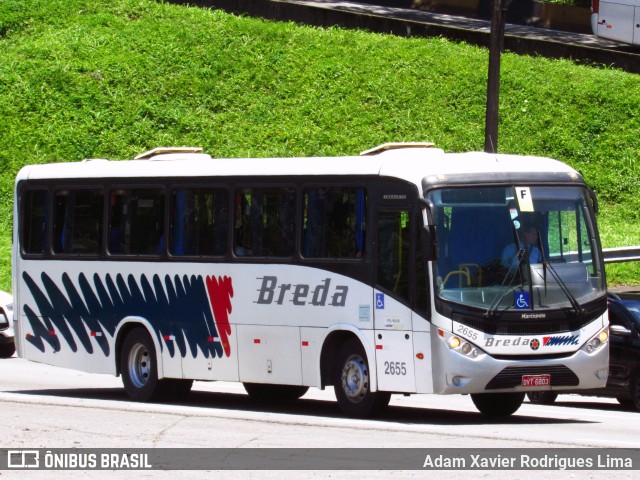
(525, 202)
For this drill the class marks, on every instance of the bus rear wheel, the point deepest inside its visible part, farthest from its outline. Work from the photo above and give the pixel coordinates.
(267, 393)
(139, 368)
(497, 404)
(351, 383)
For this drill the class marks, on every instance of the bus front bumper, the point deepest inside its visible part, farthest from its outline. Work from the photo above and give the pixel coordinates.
(455, 373)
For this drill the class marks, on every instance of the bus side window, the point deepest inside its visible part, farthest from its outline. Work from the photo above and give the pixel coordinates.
(264, 222)
(394, 250)
(77, 221)
(136, 221)
(199, 222)
(34, 221)
(334, 222)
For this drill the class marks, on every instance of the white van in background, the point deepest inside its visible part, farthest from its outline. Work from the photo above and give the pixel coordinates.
(616, 20)
(7, 341)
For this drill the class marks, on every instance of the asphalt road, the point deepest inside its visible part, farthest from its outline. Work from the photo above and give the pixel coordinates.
(48, 407)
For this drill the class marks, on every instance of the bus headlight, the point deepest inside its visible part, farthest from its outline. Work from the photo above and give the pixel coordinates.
(459, 344)
(597, 341)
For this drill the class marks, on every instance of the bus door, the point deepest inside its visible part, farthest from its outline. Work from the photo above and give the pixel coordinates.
(392, 294)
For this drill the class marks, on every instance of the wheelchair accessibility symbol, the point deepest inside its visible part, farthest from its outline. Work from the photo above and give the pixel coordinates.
(522, 300)
(379, 301)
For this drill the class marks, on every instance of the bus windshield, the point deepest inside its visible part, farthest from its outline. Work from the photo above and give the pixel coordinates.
(516, 248)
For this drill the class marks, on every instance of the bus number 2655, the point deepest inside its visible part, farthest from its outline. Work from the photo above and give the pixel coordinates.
(395, 368)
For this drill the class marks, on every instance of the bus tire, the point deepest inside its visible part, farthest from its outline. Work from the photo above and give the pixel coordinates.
(497, 404)
(542, 398)
(7, 350)
(267, 393)
(632, 401)
(139, 368)
(634, 390)
(351, 383)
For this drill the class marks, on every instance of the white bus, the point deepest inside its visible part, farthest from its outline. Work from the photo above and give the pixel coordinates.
(375, 274)
(616, 20)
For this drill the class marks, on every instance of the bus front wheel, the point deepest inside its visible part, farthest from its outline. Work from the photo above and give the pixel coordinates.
(633, 401)
(351, 383)
(497, 404)
(139, 368)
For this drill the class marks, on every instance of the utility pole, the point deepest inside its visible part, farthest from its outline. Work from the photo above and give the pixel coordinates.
(496, 45)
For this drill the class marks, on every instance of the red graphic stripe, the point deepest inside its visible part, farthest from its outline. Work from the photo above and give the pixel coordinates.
(220, 293)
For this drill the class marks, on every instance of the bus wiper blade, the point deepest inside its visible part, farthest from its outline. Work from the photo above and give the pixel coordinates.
(507, 280)
(554, 273)
(546, 264)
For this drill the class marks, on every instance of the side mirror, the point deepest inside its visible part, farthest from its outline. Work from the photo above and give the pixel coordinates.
(430, 243)
(620, 331)
(594, 200)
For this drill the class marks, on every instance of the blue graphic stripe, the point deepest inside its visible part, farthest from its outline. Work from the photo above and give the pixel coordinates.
(178, 307)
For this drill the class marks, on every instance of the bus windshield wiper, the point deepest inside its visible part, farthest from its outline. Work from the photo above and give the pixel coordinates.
(572, 299)
(554, 273)
(514, 268)
(507, 280)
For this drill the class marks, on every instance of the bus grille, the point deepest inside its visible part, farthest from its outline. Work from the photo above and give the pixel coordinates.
(520, 328)
(511, 377)
(512, 326)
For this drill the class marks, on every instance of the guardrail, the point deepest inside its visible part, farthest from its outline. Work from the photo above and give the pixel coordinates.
(621, 254)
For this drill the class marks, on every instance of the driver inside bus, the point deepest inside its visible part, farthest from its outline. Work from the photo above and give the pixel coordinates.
(530, 241)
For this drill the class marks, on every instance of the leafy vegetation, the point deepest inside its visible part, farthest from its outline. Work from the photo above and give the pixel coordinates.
(82, 79)
(570, 3)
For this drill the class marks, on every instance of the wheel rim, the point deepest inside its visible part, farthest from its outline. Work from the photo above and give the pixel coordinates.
(139, 365)
(355, 378)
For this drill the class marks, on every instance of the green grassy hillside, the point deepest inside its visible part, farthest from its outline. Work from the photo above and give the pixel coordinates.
(81, 79)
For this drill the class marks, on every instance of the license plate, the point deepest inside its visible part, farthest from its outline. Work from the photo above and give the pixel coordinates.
(536, 380)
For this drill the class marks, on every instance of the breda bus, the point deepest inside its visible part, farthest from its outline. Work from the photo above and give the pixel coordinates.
(376, 274)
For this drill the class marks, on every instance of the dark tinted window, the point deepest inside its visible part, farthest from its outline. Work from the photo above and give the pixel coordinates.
(264, 222)
(334, 222)
(136, 221)
(199, 221)
(77, 221)
(394, 252)
(34, 221)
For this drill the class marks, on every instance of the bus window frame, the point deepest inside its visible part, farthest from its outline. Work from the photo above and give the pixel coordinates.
(22, 188)
(234, 188)
(109, 188)
(53, 190)
(170, 189)
(367, 243)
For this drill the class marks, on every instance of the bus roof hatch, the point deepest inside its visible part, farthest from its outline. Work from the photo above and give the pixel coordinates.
(167, 150)
(396, 145)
